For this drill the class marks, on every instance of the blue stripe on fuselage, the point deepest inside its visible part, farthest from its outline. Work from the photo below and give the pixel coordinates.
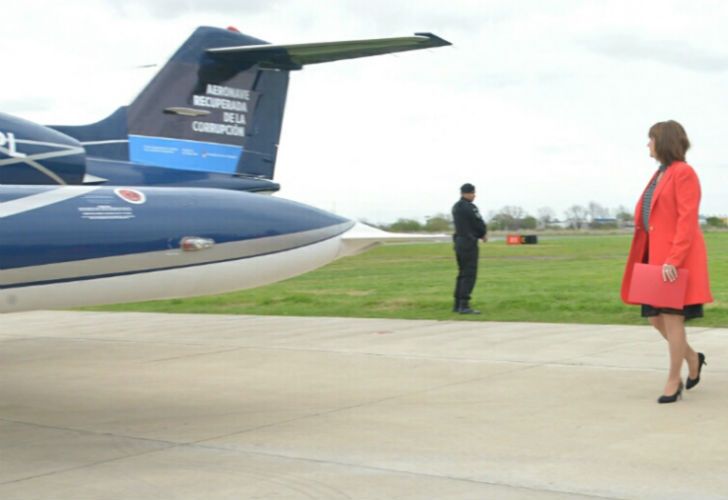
(184, 154)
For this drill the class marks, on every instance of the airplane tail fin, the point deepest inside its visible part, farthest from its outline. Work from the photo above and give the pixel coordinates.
(217, 105)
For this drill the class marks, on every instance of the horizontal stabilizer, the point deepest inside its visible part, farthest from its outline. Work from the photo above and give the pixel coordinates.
(362, 237)
(296, 56)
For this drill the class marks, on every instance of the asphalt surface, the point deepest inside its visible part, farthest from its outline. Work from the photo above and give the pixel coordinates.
(155, 406)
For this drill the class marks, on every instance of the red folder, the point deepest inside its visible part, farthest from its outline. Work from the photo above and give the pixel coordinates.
(648, 287)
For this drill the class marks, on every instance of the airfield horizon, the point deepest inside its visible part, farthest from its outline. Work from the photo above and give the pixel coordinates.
(562, 279)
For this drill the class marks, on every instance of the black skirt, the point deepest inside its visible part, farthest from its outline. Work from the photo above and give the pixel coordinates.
(690, 311)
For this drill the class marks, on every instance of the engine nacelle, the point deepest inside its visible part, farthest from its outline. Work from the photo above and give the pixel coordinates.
(34, 154)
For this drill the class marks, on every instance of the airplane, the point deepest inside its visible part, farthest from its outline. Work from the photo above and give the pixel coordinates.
(167, 197)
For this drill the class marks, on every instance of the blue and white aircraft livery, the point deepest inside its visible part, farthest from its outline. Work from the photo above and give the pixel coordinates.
(165, 197)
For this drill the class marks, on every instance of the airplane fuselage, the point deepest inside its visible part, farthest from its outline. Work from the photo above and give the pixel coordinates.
(83, 245)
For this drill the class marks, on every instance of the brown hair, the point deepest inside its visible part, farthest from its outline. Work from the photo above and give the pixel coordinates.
(671, 141)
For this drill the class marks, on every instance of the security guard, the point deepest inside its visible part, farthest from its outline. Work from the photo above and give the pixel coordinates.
(469, 228)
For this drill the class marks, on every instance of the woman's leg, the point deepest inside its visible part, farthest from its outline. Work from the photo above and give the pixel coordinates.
(659, 325)
(691, 357)
(674, 326)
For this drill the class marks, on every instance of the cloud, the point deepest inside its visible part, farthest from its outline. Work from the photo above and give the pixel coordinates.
(537, 103)
(624, 47)
(171, 9)
(375, 14)
(25, 105)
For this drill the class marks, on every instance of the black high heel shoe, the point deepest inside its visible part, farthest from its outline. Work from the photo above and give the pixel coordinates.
(671, 399)
(690, 382)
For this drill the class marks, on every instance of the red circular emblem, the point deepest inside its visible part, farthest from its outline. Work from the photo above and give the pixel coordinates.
(131, 195)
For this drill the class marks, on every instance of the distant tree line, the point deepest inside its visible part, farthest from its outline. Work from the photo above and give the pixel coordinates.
(514, 218)
(717, 222)
(591, 216)
(439, 223)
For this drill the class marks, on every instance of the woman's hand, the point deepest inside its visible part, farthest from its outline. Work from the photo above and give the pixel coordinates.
(669, 273)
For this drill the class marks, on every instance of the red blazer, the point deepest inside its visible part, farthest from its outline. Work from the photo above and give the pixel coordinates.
(674, 232)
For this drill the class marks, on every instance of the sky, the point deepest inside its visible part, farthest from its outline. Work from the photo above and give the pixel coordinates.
(539, 104)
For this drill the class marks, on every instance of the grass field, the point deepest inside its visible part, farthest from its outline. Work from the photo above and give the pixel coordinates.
(563, 279)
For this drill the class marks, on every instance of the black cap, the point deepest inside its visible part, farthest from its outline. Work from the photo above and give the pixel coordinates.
(467, 188)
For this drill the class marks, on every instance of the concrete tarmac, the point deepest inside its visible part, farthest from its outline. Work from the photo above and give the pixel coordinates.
(155, 406)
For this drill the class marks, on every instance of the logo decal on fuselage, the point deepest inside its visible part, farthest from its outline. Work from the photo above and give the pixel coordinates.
(42, 199)
(8, 139)
(132, 196)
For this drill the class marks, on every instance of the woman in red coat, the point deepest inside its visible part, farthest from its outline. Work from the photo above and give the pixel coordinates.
(667, 233)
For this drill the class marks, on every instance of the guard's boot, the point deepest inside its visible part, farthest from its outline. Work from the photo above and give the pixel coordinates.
(456, 306)
(465, 308)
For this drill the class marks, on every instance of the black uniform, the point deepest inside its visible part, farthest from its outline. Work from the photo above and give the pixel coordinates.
(469, 228)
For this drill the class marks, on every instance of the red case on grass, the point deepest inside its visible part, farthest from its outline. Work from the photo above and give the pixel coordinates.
(648, 287)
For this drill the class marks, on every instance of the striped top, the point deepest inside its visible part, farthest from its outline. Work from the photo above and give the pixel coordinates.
(647, 198)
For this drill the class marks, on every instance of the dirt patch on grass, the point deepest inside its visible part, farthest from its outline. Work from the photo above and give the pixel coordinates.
(348, 293)
(525, 257)
(394, 304)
